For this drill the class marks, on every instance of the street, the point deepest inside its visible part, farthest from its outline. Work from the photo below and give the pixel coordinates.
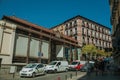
(70, 75)
(49, 76)
(106, 76)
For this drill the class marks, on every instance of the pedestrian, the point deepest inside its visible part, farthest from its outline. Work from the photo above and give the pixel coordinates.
(102, 66)
(88, 67)
(96, 67)
(108, 66)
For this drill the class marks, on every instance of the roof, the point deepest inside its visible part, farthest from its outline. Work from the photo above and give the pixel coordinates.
(80, 17)
(16, 19)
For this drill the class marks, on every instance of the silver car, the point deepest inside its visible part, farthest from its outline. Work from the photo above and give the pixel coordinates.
(32, 69)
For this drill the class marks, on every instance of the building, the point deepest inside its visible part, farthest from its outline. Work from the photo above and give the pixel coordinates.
(86, 31)
(22, 42)
(115, 21)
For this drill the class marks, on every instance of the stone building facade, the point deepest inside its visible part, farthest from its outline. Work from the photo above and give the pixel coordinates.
(115, 21)
(86, 31)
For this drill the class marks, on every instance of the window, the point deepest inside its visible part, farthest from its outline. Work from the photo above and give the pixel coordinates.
(87, 31)
(70, 24)
(40, 66)
(97, 35)
(59, 63)
(83, 38)
(66, 25)
(82, 30)
(83, 23)
(75, 37)
(92, 41)
(93, 33)
(75, 29)
(75, 22)
(93, 26)
(89, 26)
(88, 39)
(67, 32)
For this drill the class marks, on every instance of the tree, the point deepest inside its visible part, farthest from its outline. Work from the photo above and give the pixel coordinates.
(101, 52)
(89, 50)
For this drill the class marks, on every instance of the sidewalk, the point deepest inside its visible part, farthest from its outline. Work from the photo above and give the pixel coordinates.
(77, 77)
(106, 76)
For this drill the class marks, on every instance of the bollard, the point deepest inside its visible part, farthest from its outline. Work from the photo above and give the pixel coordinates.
(58, 78)
(70, 76)
(76, 73)
(65, 77)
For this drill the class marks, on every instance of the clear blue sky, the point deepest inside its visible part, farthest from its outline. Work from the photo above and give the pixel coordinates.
(48, 13)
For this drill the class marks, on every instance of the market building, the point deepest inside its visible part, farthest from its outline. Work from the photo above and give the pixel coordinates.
(22, 42)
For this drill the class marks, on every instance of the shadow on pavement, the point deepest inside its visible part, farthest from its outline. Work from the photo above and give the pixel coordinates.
(105, 76)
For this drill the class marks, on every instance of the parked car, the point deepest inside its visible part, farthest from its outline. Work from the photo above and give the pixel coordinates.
(57, 66)
(76, 65)
(32, 69)
(85, 67)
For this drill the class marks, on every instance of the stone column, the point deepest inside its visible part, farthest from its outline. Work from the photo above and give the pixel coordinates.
(28, 48)
(49, 51)
(1, 36)
(12, 44)
(40, 47)
(71, 54)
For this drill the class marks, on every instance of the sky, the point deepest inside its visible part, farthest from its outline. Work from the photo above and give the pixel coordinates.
(49, 13)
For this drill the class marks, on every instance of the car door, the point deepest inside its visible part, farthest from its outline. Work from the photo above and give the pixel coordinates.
(58, 66)
(40, 68)
(78, 66)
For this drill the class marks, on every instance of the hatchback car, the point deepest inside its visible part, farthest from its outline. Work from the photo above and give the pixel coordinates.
(32, 69)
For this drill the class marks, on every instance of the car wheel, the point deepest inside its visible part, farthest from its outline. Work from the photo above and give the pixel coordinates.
(33, 75)
(66, 70)
(55, 70)
(45, 73)
(21, 77)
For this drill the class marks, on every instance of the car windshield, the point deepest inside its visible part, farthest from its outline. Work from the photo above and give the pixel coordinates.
(30, 66)
(74, 63)
(52, 63)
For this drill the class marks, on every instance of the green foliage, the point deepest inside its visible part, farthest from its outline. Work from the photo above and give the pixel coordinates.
(89, 49)
(101, 52)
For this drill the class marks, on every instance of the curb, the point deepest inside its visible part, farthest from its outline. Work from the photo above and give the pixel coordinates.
(77, 77)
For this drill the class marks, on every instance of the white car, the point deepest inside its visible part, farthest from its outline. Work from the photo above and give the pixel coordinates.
(32, 69)
(57, 66)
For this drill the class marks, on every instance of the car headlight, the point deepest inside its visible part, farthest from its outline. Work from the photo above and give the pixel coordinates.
(30, 70)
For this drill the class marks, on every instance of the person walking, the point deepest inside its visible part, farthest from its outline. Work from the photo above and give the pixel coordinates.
(102, 66)
(88, 67)
(96, 67)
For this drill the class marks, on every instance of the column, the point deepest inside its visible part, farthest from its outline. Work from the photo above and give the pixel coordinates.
(28, 48)
(1, 36)
(76, 53)
(71, 54)
(40, 47)
(64, 54)
(49, 50)
(12, 45)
